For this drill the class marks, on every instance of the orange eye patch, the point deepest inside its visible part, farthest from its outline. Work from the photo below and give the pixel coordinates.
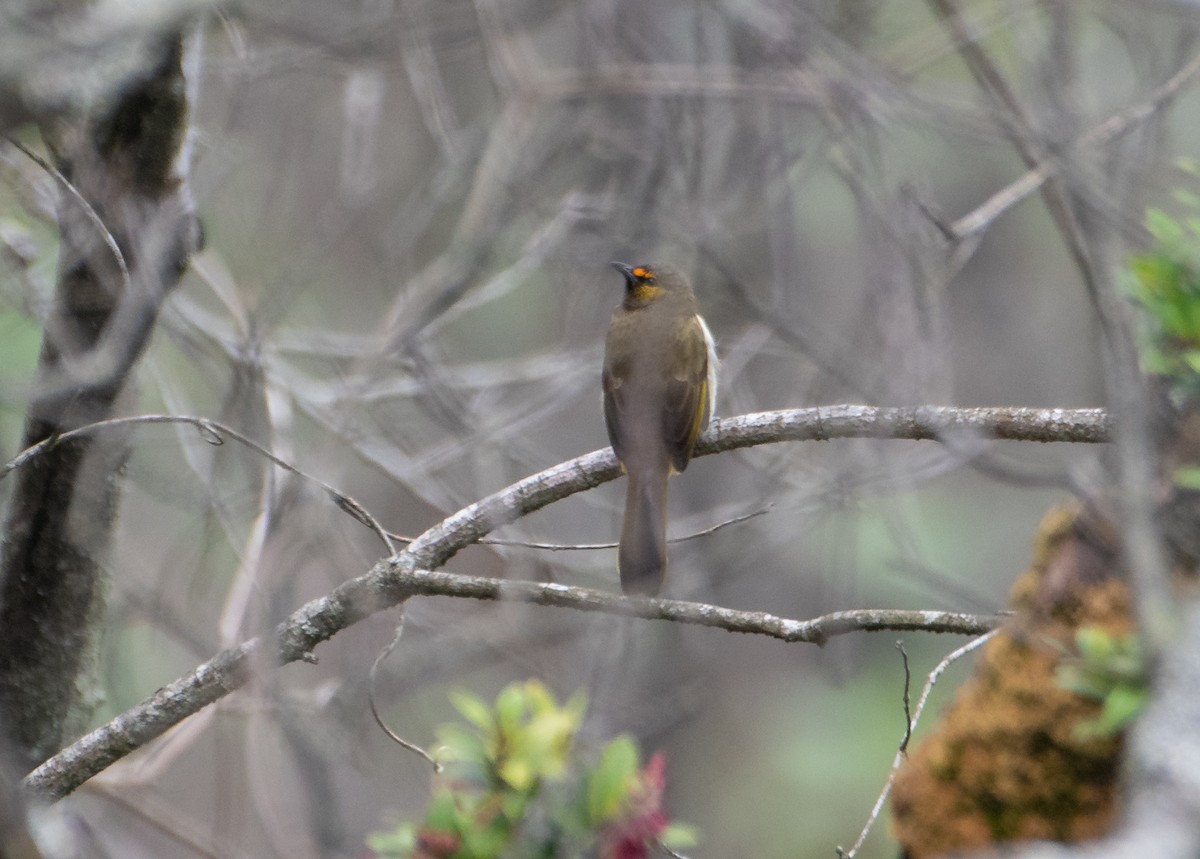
(643, 273)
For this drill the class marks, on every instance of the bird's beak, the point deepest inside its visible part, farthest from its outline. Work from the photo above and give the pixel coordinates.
(625, 269)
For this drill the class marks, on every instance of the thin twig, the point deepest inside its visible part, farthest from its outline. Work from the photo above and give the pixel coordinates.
(1115, 126)
(214, 433)
(595, 547)
(908, 721)
(90, 213)
(383, 654)
(901, 755)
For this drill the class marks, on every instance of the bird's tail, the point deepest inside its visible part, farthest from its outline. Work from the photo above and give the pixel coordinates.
(642, 557)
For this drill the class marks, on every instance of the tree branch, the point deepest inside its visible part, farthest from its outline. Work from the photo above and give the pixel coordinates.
(1115, 126)
(303, 631)
(411, 571)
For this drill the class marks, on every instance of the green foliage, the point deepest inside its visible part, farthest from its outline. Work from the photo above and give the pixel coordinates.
(514, 786)
(1165, 282)
(1187, 477)
(1109, 668)
(609, 783)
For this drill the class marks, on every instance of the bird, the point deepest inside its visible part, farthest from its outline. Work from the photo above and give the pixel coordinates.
(660, 384)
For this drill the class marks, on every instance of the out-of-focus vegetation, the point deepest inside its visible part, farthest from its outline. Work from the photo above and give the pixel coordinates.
(514, 784)
(1111, 669)
(1165, 282)
(409, 210)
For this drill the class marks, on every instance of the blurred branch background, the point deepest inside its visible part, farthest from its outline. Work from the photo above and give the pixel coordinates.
(408, 211)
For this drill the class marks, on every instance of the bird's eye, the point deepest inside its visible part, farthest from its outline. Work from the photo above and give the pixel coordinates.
(643, 273)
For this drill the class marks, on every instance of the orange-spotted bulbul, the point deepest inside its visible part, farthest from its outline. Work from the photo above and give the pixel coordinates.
(659, 386)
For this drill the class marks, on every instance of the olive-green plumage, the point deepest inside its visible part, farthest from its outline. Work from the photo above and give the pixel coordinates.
(659, 387)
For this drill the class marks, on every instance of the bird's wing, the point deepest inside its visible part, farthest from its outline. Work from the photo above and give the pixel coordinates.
(687, 407)
(613, 400)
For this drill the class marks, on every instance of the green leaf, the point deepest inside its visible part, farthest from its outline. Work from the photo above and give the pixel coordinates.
(1187, 477)
(1122, 706)
(577, 706)
(513, 805)
(1074, 678)
(467, 749)
(510, 709)
(1156, 363)
(473, 710)
(679, 836)
(1095, 644)
(1166, 283)
(485, 843)
(400, 842)
(443, 813)
(1173, 320)
(518, 772)
(1163, 227)
(548, 741)
(1187, 198)
(610, 782)
(1110, 668)
(538, 699)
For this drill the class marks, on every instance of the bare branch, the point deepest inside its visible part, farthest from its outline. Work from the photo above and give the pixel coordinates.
(214, 433)
(815, 631)
(411, 572)
(821, 423)
(921, 422)
(297, 636)
(1115, 126)
(901, 754)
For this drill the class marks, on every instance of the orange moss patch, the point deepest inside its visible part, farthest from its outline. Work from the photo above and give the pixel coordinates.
(1004, 763)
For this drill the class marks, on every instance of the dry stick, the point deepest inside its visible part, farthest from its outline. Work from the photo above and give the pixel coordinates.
(409, 573)
(901, 754)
